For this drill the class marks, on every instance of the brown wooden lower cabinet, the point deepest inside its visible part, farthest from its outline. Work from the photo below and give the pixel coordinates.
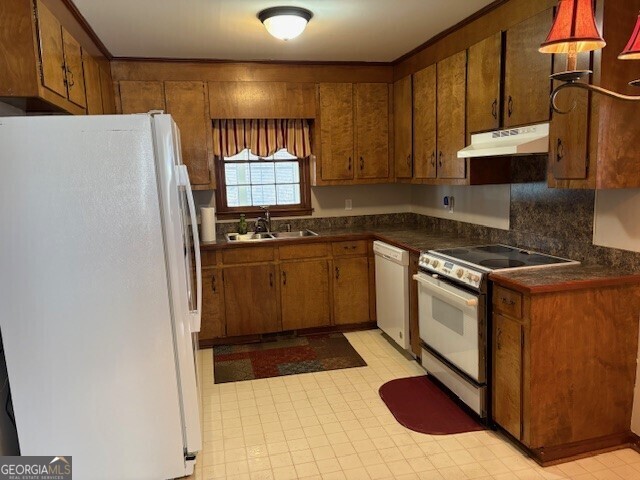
(213, 324)
(251, 299)
(351, 290)
(305, 294)
(564, 373)
(266, 289)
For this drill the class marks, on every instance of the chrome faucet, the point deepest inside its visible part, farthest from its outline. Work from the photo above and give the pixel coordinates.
(263, 224)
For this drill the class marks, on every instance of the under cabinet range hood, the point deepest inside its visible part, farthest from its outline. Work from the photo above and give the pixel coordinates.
(533, 139)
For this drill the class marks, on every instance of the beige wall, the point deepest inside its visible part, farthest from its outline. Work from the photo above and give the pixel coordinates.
(617, 219)
(487, 205)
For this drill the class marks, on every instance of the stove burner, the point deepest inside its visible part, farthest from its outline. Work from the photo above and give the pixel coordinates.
(501, 263)
(496, 249)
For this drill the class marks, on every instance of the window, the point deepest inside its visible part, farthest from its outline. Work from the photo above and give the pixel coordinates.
(248, 182)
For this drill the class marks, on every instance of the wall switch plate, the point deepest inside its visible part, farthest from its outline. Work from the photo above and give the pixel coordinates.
(348, 204)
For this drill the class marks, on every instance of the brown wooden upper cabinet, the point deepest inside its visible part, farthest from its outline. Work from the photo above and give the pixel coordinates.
(61, 58)
(403, 128)
(484, 71)
(424, 123)
(336, 131)
(98, 87)
(354, 133)
(526, 84)
(452, 84)
(93, 85)
(239, 100)
(595, 145)
(188, 103)
(372, 130)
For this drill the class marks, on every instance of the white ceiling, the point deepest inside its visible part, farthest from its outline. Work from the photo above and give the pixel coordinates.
(341, 30)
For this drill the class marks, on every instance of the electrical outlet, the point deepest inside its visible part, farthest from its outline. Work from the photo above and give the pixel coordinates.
(348, 204)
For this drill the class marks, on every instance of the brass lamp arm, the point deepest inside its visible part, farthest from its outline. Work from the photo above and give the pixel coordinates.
(591, 88)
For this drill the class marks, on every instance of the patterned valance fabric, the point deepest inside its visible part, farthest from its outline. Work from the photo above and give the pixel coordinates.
(262, 137)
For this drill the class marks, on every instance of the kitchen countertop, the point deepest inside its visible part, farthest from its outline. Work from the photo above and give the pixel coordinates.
(574, 277)
(414, 240)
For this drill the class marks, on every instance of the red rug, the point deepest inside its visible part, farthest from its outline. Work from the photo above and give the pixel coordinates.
(284, 356)
(420, 405)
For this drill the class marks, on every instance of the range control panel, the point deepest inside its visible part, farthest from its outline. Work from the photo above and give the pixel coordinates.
(458, 273)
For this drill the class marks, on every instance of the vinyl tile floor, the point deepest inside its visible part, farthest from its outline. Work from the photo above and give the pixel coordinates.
(334, 426)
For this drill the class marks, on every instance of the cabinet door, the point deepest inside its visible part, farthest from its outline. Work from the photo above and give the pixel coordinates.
(250, 300)
(483, 85)
(51, 51)
(141, 97)
(569, 133)
(108, 94)
(351, 290)
(73, 65)
(93, 85)
(507, 374)
(336, 131)
(305, 294)
(372, 130)
(403, 127)
(527, 85)
(188, 104)
(424, 123)
(452, 84)
(213, 323)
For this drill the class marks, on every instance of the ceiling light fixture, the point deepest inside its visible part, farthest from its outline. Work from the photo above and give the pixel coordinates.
(575, 30)
(285, 23)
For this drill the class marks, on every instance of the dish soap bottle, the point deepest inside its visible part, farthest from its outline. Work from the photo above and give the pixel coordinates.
(242, 225)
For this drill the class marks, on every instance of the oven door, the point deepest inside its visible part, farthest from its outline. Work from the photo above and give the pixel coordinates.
(452, 325)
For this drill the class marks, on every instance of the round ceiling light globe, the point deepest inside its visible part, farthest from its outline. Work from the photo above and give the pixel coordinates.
(285, 23)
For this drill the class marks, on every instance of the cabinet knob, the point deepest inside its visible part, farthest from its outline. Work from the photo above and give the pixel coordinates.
(271, 279)
(559, 151)
(494, 109)
(213, 284)
(337, 273)
(408, 160)
(361, 163)
(284, 277)
(510, 106)
(349, 167)
(433, 159)
(498, 338)
(440, 155)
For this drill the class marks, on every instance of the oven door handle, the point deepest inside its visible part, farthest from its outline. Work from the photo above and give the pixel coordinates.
(469, 302)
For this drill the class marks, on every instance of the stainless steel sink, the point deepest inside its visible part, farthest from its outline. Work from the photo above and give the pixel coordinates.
(249, 237)
(298, 234)
(259, 237)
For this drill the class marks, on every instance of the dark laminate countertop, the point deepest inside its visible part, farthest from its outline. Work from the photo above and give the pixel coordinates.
(419, 239)
(415, 240)
(574, 277)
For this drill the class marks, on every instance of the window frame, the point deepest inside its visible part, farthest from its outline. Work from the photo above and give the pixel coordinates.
(225, 212)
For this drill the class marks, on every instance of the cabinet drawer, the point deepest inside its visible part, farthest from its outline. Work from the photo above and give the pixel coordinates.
(358, 247)
(507, 301)
(314, 250)
(208, 258)
(247, 255)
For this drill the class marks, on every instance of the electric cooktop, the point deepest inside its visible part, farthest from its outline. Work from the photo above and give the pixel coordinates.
(499, 257)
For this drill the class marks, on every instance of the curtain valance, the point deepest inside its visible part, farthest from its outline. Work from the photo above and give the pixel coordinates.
(262, 137)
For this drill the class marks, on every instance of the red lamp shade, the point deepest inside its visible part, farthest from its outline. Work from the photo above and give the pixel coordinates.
(574, 29)
(632, 50)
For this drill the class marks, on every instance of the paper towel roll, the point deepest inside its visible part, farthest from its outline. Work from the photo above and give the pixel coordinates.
(208, 225)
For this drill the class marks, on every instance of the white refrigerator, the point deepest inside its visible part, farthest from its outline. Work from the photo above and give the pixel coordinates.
(98, 310)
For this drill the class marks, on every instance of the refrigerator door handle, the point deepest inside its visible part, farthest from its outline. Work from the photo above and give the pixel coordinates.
(196, 315)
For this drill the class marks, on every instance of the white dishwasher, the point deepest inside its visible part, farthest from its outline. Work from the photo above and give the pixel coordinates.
(392, 291)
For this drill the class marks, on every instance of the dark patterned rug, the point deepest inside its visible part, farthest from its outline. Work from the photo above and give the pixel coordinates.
(284, 356)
